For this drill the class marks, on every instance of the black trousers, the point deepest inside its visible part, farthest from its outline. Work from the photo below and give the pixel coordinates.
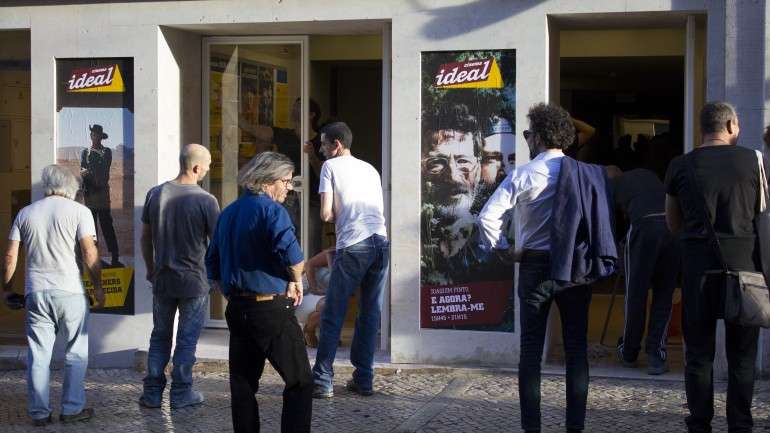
(652, 260)
(103, 218)
(262, 331)
(536, 299)
(702, 306)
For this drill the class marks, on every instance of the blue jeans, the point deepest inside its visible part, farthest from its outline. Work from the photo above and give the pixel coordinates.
(363, 265)
(536, 299)
(192, 313)
(48, 313)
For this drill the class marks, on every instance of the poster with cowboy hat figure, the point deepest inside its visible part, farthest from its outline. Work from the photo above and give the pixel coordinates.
(95, 139)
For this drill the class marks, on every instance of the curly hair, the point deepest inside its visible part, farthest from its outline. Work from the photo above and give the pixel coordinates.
(552, 125)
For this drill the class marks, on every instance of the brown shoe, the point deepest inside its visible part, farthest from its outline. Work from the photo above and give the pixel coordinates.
(83, 415)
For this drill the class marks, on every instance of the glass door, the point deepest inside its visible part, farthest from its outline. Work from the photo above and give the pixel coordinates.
(255, 100)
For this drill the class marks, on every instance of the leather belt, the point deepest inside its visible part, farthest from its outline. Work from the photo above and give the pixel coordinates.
(258, 297)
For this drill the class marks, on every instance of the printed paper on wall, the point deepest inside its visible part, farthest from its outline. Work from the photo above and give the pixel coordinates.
(468, 147)
(95, 139)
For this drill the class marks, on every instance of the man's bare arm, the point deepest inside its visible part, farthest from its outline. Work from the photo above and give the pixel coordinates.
(583, 131)
(294, 289)
(91, 263)
(260, 132)
(327, 210)
(10, 260)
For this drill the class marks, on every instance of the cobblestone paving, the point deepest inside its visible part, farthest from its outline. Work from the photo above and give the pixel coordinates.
(421, 401)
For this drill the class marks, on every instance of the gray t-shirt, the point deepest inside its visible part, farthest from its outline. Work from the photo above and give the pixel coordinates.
(49, 230)
(182, 219)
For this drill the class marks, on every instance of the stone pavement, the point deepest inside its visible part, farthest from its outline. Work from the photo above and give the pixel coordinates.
(419, 400)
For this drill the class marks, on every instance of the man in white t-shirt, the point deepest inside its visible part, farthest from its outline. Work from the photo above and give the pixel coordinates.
(56, 301)
(351, 196)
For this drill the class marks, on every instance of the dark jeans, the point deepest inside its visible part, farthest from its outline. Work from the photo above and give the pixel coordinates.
(536, 299)
(260, 331)
(652, 259)
(103, 217)
(364, 265)
(702, 307)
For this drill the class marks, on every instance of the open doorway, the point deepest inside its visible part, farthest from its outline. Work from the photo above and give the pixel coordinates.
(627, 79)
(15, 156)
(276, 93)
(349, 90)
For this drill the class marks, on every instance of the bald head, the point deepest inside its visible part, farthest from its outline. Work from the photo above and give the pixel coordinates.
(194, 159)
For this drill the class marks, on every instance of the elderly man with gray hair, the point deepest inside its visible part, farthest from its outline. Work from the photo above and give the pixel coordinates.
(256, 260)
(56, 302)
(179, 219)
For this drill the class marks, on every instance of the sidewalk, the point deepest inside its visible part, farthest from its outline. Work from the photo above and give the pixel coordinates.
(426, 400)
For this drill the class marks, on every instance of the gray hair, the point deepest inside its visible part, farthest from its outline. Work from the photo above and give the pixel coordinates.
(59, 180)
(263, 169)
(715, 115)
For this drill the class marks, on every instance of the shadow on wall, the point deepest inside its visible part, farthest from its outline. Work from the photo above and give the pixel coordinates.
(12, 3)
(451, 21)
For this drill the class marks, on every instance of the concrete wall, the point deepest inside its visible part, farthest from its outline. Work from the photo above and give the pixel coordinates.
(132, 30)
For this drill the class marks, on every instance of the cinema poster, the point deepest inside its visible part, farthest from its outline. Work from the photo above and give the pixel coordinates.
(95, 139)
(467, 149)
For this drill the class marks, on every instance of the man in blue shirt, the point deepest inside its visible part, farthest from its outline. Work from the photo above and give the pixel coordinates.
(256, 260)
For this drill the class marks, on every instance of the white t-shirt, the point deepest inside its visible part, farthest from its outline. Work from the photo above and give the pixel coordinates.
(48, 229)
(357, 199)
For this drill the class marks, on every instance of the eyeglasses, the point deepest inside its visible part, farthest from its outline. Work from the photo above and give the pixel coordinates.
(287, 182)
(527, 133)
(436, 165)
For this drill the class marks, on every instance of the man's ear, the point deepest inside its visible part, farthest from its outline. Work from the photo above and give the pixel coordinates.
(731, 126)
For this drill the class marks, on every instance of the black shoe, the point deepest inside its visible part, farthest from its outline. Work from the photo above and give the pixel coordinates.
(621, 358)
(84, 415)
(353, 387)
(148, 403)
(40, 422)
(656, 365)
(321, 392)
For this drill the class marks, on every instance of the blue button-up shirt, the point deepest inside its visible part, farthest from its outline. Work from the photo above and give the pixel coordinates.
(253, 246)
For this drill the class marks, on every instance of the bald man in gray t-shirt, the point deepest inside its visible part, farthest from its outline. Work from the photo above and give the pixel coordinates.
(179, 218)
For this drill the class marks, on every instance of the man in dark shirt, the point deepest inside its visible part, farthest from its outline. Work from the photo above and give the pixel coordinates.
(727, 179)
(95, 163)
(257, 262)
(179, 218)
(652, 260)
